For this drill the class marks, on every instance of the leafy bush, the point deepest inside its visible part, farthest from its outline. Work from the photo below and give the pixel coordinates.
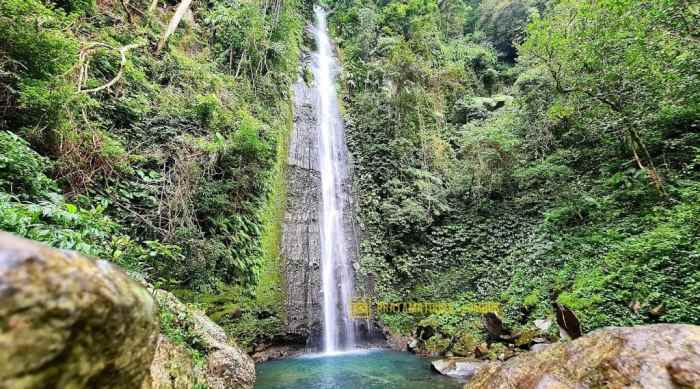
(206, 109)
(22, 170)
(166, 171)
(77, 6)
(649, 277)
(504, 22)
(44, 52)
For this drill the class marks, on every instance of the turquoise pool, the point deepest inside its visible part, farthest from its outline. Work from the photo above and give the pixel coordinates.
(375, 368)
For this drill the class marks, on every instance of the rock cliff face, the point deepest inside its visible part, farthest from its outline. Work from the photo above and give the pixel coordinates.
(301, 249)
(67, 321)
(301, 246)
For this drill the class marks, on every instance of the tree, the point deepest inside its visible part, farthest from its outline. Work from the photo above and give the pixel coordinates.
(626, 69)
(504, 23)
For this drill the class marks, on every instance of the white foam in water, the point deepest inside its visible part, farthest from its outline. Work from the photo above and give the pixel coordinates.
(336, 274)
(357, 351)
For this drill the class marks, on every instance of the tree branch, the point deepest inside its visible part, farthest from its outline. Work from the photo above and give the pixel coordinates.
(129, 17)
(174, 22)
(84, 65)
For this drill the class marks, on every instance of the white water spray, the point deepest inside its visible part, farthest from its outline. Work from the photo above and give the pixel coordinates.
(336, 273)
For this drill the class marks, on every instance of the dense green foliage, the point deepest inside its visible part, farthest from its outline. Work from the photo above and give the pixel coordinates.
(534, 153)
(524, 152)
(169, 169)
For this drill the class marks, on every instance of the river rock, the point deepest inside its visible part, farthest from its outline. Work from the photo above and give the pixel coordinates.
(653, 356)
(543, 325)
(399, 342)
(227, 365)
(172, 368)
(462, 368)
(539, 347)
(277, 352)
(67, 321)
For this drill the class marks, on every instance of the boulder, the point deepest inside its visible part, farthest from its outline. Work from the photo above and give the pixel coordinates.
(67, 321)
(494, 326)
(227, 365)
(399, 342)
(543, 325)
(569, 325)
(276, 352)
(465, 345)
(461, 368)
(172, 368)
(539, 347)
(653, 356)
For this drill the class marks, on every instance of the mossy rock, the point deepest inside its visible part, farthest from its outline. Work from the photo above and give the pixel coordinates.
(465, 345)
(437, 344)
(67, 321)
(172, 368)
(654, 356)
(224, 364)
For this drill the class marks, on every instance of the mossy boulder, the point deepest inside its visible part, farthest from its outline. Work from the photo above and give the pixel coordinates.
(437, 345)
(465, 345)
(653, 356)
(67, 321)
(398, 341)
(225, 364)
(172, 368)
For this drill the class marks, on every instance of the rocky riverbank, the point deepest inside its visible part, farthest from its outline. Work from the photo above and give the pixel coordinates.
(652, 356)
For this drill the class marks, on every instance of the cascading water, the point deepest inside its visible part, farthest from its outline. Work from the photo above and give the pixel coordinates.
(336, 273)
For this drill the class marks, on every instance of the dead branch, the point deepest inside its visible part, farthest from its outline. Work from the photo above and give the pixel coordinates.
(153, 6)
(84, 64)
(138, 11)
(174, 22)
(129, 17)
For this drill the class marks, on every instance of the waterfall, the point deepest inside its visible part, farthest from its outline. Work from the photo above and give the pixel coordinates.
(336, 273)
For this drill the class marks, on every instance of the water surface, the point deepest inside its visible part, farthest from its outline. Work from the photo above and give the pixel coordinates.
(352, 370)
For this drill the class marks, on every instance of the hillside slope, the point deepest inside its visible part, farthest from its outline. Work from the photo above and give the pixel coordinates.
(525, 153)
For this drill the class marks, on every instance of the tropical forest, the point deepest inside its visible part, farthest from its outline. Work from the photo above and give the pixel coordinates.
(349, 194)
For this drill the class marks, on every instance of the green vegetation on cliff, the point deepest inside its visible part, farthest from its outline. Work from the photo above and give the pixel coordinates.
(526, 153)
(161, 160)
(164, 156)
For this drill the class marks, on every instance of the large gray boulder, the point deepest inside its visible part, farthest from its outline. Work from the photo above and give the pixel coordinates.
(67, 321)
(652, 356)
